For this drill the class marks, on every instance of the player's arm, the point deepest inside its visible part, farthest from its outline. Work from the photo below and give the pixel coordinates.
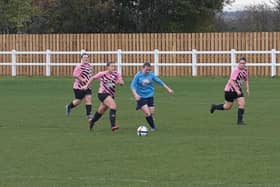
(160, 82)
(247, 84)
(232, 81)
(247, 87)
(168, 89)
(233, 85)
(95, 77)
(120, 80)
(135, 95)
(77, 74)
(133, 87)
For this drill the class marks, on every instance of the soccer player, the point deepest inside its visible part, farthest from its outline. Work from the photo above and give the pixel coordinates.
(106, 94)
(82, 73)
(143, 91)
(233, 91)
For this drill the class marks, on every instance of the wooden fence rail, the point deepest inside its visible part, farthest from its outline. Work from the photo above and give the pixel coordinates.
(255, 41)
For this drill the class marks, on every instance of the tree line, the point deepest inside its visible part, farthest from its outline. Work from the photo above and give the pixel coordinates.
(132, 16)
(108, 16)
(254, 18)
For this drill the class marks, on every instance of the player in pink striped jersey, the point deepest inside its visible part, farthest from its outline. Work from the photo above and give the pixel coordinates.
(82, 73)
(233, 90)
(107, 90)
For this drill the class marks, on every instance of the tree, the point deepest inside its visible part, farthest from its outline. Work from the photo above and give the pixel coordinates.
(256, 18)
(276, 4)
(91, 16)
(15, 15)
(168, 15)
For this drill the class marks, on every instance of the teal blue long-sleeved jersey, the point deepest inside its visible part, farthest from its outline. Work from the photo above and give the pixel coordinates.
(143, 84)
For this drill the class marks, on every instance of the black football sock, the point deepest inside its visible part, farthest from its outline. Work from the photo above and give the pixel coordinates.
(96, 117)
(240, 113)
(219, 107)
(112, 116)
(150, 120)
(71, 105)
(88, 109)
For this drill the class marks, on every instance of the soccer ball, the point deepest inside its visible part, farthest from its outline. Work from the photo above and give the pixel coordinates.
(142, 131)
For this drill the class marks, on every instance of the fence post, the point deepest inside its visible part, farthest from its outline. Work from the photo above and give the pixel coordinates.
(156, 59)
(194, 63)
(83, 51)
(233, 58)
(273, 62)
(48, 63)
(14, 63)
(119, 61)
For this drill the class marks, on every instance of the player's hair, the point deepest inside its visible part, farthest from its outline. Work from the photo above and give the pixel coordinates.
(243, 59)
(146, 64)
(109, 63)
(83, 54)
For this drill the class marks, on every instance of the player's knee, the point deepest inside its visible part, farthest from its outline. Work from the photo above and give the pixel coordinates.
(88, 100)
(76, 102)
(113, 106)
(241, 105)
(101, 110)
(147, 113)
(227, 106)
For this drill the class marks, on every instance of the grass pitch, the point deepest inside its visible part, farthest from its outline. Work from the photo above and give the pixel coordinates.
(40, 146)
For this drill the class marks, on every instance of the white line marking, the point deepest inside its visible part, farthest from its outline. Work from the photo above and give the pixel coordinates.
(75, 178)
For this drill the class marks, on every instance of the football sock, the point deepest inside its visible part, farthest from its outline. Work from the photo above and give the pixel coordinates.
(96, 117)
(219, 107)
(240, 113)
(150, 120)
(71, 105)
(112, 116)
(88, 109)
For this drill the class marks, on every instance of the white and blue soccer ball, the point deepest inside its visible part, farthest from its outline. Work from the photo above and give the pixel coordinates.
(142, 130)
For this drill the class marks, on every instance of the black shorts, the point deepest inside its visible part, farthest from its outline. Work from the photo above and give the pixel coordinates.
(231, 96)
(103, 96)
(80, 94)
(145, 101)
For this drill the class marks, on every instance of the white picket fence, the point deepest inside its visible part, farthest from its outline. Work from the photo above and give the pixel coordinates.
(156, 53)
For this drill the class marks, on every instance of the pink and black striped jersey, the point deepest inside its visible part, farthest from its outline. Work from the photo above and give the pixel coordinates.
(83, 70)
(238, 76)
(108, 81)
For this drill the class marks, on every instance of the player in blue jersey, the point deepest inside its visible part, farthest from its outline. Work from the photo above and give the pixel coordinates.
(143, 91)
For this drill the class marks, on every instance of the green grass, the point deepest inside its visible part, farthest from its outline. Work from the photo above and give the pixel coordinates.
(40, 146)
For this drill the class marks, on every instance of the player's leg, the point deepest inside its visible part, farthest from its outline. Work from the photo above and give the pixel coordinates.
(98, 114)
(76, 102)
(110, 103)
(149, 116)
(78, 99)
(229, 98)
(150, 102)
(88, 103)
(241, 110)
(152, 110)
(226, 106)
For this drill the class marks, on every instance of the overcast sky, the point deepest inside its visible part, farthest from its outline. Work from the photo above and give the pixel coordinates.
(240, 4)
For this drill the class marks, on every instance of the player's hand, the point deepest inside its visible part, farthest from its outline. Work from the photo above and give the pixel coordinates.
(83, 80)
(120, 82)
(137, 97)
(248, 92)
(238, 92)
(170, 91)
(84, 87)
